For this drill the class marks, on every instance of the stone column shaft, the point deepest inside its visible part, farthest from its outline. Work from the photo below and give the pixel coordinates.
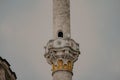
(62, 75)
(61, 18)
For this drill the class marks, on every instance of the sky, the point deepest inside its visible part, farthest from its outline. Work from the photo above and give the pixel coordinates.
(26, 27)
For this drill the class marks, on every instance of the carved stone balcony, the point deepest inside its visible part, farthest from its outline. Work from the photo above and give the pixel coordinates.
(61, 51)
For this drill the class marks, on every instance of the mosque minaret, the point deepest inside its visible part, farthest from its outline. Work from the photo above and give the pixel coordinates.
(62, 51)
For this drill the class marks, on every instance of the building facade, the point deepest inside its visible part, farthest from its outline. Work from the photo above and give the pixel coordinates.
(62, 51)
(5, 71)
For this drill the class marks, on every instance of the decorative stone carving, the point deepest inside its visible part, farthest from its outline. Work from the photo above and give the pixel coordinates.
(5, 71)
(62, 66)
(61, 53)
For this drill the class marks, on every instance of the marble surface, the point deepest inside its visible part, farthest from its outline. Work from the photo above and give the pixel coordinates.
(62, 75)
(61, 17)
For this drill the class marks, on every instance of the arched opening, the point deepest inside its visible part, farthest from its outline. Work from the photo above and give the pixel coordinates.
(60, 34)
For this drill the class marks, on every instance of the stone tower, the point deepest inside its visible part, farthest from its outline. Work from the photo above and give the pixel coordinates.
(61, 52)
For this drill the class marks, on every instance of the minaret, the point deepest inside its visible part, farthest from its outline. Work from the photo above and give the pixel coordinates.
(61, 52)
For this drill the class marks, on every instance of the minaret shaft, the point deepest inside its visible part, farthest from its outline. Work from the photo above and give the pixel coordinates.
(61, 18)
(62, 75)
(62, 51)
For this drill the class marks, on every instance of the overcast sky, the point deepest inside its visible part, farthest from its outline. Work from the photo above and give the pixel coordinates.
(26, 27)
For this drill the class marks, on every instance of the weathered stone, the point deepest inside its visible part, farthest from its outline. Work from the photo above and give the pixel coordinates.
(5, 71)
(62, 51)
(62, 75)
(61, 17)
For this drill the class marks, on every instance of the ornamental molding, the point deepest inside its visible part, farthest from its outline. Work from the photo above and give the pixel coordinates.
(5, 71)
(60, 51)
(62, 66)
